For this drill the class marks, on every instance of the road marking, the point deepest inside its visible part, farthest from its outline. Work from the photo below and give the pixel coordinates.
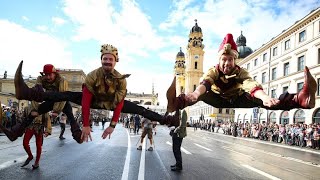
(10, 163)
(262, 142)
(273, 154)
(202, 147)
(125, 173)
(163, 167)
(142, 160)
(289, 158)
(182, 149)
(135, 135)
(261, 172)
(229, 149)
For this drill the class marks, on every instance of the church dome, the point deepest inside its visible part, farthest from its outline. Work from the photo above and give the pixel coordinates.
(243, 50)
(241, 40)
(196, 28)
(180, 53)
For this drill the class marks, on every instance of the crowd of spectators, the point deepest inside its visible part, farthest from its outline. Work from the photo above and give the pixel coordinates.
(298, 134)
(10, 116)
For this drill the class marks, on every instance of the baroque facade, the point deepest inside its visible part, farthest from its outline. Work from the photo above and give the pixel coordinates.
(278, 65)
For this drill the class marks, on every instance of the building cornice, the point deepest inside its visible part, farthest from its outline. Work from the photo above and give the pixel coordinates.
(312, 16)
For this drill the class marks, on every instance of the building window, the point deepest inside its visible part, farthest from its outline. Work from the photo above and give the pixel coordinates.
(302, 36)
(248, 66)
(74, 78)
(318, 93)
(287, 44)
(274, 73)
(227, 111)
(195, 65)
(319, 56)
(220, 110)
(263, 79)
(300, 63)
(255, 62)
(275, 51)
(299, 86)
(286, 69)
(264, 57)
(285, 89)
(194, 87)
(273, 93)
(255, 78)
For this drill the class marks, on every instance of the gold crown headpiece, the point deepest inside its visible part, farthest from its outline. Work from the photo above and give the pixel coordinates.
(109, 49)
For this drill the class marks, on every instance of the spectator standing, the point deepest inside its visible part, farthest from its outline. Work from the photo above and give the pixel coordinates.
(63, 121)
(103, 121)
(137, 123)
(177, 136)
(41, 126)
(147, 129)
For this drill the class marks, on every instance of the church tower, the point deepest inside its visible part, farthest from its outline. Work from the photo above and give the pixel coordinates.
(194, 59)
(179, 70)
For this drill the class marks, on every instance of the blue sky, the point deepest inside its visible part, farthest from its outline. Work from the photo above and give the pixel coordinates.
(147, 33)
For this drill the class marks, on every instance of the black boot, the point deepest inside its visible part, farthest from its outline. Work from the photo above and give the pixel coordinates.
(17, 130)
(23, 92)
(304, 99)
(165, 119)
(76, 132)
(176, 168)
(12, 134)
(26, 162)
(171, 120)
(171, 96)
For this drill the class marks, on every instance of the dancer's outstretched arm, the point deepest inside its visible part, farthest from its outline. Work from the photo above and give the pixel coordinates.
(114, 121)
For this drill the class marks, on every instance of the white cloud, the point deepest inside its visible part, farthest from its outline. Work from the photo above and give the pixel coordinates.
(42, 28)
(58, 21)
(25, 18)
(128, 28)
(176, 16)
(35, 48)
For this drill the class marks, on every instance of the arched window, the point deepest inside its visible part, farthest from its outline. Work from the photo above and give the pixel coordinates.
(238, 119)
(245, 118)
(284, 118)
(299, 116)
(273, 118)
(262, 117)
(195, 65)
(316, 117)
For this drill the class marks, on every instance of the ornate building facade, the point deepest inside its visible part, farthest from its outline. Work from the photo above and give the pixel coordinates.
(278, 65)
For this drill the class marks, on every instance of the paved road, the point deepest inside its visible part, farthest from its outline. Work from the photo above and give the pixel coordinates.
(205, 156)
